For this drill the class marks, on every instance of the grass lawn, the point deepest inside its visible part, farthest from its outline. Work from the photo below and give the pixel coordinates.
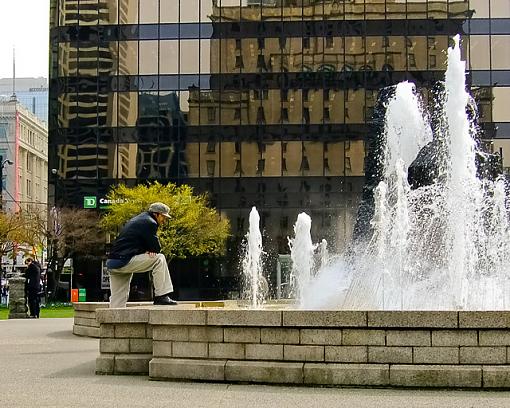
(59, 311)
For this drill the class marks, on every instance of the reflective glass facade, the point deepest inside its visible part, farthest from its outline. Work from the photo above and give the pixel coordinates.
(257, 102)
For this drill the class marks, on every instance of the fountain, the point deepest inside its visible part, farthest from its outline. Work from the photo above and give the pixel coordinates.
(435, 247)
(252, 262)
(301, 253)
(420, 299)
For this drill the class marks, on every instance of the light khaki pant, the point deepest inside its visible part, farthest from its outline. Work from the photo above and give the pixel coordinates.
(120, 278)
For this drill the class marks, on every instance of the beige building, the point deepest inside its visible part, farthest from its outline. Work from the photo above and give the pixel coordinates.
(24, 143)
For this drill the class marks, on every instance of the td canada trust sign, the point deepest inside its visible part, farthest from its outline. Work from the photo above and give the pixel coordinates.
(101, 203)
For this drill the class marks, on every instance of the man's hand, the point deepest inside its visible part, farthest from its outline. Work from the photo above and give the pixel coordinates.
(152, 254)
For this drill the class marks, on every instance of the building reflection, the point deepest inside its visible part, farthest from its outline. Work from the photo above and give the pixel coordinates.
(256, 102)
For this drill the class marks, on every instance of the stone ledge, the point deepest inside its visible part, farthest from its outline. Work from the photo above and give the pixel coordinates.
(413, 319)
(187, 369)
(496, 376)
(105, 364)
(319, 318)
(240, 317)
(85, 314)
(124, 315)
(86, 331)
(447, 376)
(484, 320)
(346, 374)
(92, 306)
(83, 321)
(264, 372)
(132, 364)
(184, 316)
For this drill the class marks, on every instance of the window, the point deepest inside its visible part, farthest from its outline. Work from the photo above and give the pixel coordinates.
(261, 117)
(261, 42)
(238, 170)
(282, 42)
(261, 63)
(29, 163)
(211, 147)
(325, 94)
(285, 115)
(211, 165)
(168, 57)
(237, 113)
(238, 44)
(284, 95)
(306, 42)
(412, 61)
(369, 113)
(348, 166)
(500, 8)
(29, 188)
(239, 61)
(329, 42)
(305, 166)
(432, 61)
(306, 93)
(189, 57)
(211, 114)
(237, 147)
(306, 115)
(261, 164)
(326, 114)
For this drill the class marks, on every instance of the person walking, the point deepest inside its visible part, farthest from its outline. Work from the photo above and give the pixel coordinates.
(33, 286)
(137, 249)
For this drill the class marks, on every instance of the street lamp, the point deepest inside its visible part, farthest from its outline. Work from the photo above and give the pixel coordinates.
(2, 165)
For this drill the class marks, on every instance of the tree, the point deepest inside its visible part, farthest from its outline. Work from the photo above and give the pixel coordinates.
(14, 229)
(71, 232)
(194, 228)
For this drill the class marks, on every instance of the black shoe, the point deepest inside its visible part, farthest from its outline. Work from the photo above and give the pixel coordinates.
(164, 300)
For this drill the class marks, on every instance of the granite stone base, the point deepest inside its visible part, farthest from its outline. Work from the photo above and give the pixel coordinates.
(316, 348)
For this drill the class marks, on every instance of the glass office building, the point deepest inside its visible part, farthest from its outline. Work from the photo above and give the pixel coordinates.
(264, 103)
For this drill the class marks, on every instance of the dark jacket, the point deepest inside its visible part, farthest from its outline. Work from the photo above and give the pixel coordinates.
(33, 277)
(136, 237)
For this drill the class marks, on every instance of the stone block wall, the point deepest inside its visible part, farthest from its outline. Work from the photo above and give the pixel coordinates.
(125, 343)
(401, 349)
(85, 323)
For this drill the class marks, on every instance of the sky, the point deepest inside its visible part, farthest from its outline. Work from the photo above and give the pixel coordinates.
(24, 24)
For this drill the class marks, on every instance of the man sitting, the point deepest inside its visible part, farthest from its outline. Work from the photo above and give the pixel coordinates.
(137, 249)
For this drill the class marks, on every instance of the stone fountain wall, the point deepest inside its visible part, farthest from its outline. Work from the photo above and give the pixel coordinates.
(350, 348)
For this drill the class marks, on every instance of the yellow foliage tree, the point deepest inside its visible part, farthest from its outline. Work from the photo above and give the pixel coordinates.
(194, 228)
(14, 230)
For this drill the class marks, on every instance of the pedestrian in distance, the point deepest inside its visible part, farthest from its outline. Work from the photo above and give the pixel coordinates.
(33, 286)
(137, 249)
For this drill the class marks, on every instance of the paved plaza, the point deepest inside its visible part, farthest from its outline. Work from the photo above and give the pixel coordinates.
(44, 365)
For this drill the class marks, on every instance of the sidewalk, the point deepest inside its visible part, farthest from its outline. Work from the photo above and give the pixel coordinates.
(44, 365)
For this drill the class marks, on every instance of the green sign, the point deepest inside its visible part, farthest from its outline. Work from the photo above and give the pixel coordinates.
(82, 295)
(89, 202)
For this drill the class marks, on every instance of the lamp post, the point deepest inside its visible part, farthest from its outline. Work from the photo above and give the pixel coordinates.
(2, 165)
